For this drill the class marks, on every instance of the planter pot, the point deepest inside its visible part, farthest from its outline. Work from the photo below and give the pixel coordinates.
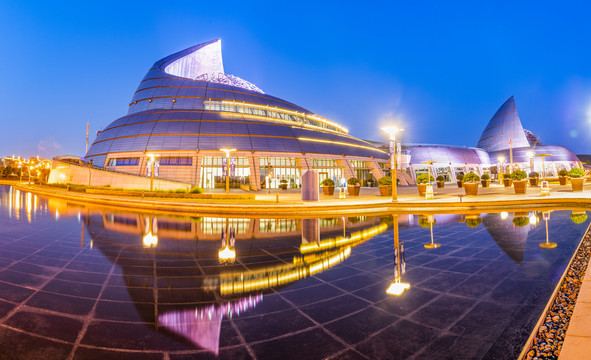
(577, 183)
(507, 182)
(422, 189)
(386, 190)
(562, 180)
(354, 190)
(328, 190)
(471, 188)
(520, 186)
(460, 184)
(440, 184)
(534, 181)
(370, 184)
(283, 186)
(485, 183)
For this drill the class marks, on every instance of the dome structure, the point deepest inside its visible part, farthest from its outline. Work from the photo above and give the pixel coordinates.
(187, 108)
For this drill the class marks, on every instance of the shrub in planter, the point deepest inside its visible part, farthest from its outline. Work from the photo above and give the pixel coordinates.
(578, 218)
(473, 222)
(534, 178)
(327, 186)
(519, 181)
(440, 181)
(562, 174)
(460, 180)
(485, 180)
(520, 221)
(353, 186)
(577, 178)
(507, 181)
(385, 185)
(422, 181)
(471, 182)
(283, 184)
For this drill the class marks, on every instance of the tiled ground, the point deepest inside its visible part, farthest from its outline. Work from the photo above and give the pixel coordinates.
(475, 297)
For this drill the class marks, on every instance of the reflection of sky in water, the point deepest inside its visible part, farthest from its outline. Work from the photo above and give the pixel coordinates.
(324, 282)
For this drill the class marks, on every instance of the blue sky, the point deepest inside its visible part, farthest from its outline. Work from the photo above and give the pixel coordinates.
(438, 69)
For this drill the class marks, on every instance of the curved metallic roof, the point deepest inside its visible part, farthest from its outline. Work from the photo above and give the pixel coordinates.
(173, 112)
(502, 127)
(446, 154)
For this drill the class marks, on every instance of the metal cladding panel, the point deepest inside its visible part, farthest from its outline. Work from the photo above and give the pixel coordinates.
(558, 153)
(100, 148)
(168, 127)
(107, 134)
(148, 83)
(166, 92)
(144, 94)
(189, 142)
(447, 155)
(220, 142)
(269, 130)
(504, 125)
(136, 129)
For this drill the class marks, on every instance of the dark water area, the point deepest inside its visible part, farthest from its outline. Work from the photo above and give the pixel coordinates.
(87, 283)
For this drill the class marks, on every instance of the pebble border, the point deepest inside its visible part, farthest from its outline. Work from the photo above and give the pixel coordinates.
(551, 332)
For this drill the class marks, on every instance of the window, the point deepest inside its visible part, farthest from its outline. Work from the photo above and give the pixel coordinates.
(124, 162)
(182, 161)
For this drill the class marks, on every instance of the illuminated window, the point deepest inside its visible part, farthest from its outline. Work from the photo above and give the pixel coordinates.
(181, 161)
(124, 162)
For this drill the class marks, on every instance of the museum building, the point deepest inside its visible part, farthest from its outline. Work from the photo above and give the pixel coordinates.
(187, 109)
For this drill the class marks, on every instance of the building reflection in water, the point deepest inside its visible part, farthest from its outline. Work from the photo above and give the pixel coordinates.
(267, 254)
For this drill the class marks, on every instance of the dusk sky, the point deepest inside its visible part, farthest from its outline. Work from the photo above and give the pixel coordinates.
(437, 69)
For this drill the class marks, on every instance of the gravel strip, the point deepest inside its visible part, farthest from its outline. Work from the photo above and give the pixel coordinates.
(550, 336)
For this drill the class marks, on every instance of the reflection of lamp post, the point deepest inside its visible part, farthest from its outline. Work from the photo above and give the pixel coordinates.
(397, 287)
(227, 151)
(227, 252)
(431, 245)
(152, 160)
(543, 156)
(391, 131)
(501, 161)
(547, 244)
(149, 239)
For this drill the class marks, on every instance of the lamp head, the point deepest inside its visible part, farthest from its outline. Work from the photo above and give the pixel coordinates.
(391, 131)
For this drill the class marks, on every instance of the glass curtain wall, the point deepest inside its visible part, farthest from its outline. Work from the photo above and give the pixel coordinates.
(328, 169)
(212, 174)
(275, 169)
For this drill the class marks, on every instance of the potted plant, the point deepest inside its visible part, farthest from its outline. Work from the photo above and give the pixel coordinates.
(369, 182)
(460, 180)
(534, 178)
(353, 186)
(440, 181)
(283, 184)
(385, 185)
(519, 178)
(328, 186)
(520, 221)
(471, 182)
(562, 176)
(578, 218)
(507, 181)
(485, 180)
(577, 178)
(422, 181)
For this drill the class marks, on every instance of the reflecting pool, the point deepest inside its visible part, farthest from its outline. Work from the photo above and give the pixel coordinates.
(88, 283)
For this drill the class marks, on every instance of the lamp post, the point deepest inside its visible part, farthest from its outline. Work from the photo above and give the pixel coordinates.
(227, 151)
(152, 160)
(391, 131)
(501, 161)
(397, 287)
(543, 164)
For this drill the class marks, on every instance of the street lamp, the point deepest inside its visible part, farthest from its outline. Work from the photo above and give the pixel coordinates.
(543, 156)
(152, 158)
(397, 287)
(501, 161)
(227, 151)
(391, 131)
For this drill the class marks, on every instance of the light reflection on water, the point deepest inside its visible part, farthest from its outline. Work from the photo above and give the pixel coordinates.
(204, 283)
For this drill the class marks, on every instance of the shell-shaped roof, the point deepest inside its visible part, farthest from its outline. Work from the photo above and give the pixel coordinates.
(172, 111)
(503, 127)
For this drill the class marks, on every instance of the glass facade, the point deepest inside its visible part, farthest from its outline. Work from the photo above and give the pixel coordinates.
(212, 175)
